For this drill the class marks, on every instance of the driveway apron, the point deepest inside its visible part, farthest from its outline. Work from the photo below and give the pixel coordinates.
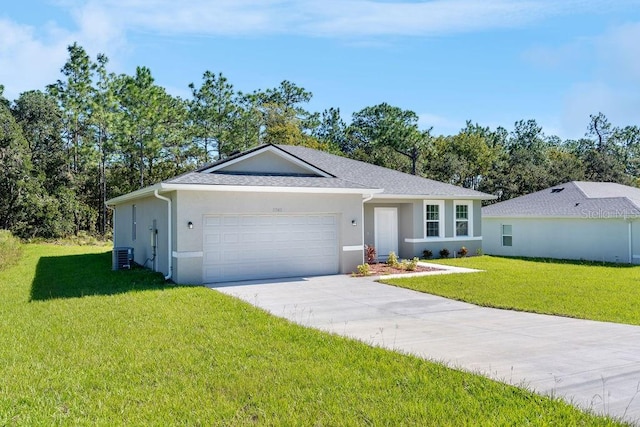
(594, 365)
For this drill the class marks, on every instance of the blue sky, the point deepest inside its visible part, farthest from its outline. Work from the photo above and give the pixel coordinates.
(492, 62)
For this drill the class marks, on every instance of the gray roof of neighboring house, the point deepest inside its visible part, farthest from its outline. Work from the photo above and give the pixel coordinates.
(346, 173)
(575, 199)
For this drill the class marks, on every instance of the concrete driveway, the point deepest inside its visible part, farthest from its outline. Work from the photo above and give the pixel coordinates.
(594, 365)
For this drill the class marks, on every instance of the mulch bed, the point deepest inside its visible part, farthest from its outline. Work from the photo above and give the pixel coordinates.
(383, 269)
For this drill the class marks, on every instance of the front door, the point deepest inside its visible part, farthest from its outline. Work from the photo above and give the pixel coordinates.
(386, 231)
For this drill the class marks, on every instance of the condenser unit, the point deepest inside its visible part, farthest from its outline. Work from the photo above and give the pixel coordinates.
(122, 258)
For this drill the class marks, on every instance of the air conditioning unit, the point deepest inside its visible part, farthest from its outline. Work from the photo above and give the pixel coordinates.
(122, 258)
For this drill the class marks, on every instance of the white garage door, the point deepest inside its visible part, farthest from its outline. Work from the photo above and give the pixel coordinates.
(247, 247)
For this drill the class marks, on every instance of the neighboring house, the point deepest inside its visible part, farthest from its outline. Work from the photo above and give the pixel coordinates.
(597, 221)
(284, 211)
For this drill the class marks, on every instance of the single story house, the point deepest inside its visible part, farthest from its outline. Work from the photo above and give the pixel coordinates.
(598, 221)
(284, 211)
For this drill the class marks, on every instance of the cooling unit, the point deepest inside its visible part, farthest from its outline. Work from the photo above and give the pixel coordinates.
(122, 258)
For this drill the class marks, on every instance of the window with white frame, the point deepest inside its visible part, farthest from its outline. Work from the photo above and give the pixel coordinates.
(507, 235)
(433, 219)
(463, 214)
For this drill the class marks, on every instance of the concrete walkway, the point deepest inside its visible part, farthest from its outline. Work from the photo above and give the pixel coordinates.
(594, 365)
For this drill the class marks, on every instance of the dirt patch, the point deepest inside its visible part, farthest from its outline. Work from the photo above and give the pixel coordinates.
(383, 269)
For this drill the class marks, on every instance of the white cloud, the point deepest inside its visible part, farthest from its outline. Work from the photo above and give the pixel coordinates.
(615, 90)
(31, 58)
(606, 72)
(343, 18)
(28, 61)
(619, 52)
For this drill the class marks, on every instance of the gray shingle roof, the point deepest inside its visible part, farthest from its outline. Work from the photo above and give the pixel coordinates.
(365, 174)
(346, 173)
(262, 181)
(575, 199)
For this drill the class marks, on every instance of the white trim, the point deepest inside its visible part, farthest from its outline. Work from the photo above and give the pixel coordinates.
(469, 205)
(266, 189)
(431, 197)
(444, 239)
(352, 248)
(167, 187)
(441, 231)
(277, 151)
(194, 254)
(375, 230)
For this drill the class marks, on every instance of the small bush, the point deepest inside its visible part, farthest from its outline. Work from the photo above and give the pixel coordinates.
(370, 254)
(427, 254)
(479, 252)
(463, 252)
(363, 269)
(393, 259)
(444, 253)
(412, 265)
(10, 249)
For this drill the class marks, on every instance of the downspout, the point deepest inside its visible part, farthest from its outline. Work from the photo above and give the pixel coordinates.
(364, 252)
(169, 233)
(630, 240)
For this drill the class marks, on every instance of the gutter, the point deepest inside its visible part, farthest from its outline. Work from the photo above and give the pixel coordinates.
(169, 233)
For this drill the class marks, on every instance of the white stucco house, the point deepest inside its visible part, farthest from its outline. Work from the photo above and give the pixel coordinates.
(284, 211)
(597, 221)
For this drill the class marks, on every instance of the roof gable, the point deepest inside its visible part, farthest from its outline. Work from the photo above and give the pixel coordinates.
(265, 161)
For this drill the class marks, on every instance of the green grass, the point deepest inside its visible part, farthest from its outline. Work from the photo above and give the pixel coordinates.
(575, 289)
(83, 345)
(10, 249)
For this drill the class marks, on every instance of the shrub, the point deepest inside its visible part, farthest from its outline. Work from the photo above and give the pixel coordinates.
(363, 269)
(463, 252)
(10, 249)
(444, 253)
(427, 254)
(370, 254)
(412, 265)
(393, 259)
(479, 252)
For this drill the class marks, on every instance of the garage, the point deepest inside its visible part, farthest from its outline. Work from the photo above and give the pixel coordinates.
(250, 247)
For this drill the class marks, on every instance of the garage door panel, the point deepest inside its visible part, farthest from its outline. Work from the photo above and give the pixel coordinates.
(211, 221)
(245, 247)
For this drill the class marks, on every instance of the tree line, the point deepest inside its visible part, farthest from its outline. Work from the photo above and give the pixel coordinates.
(94, 134)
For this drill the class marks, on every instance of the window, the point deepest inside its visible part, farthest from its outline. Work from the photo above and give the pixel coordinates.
(463, 218)
(507, 235)
(433, 217)
(133, 222)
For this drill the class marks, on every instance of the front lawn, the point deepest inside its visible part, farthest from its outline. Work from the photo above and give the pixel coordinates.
(83, 345)
(576, 289)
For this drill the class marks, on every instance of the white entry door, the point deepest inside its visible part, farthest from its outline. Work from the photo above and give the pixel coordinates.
(386, 231)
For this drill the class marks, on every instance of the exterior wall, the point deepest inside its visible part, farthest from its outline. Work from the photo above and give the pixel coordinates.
(195, 205)
(411, 240)
(604, 240)
(147, 210)
(266, 162)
